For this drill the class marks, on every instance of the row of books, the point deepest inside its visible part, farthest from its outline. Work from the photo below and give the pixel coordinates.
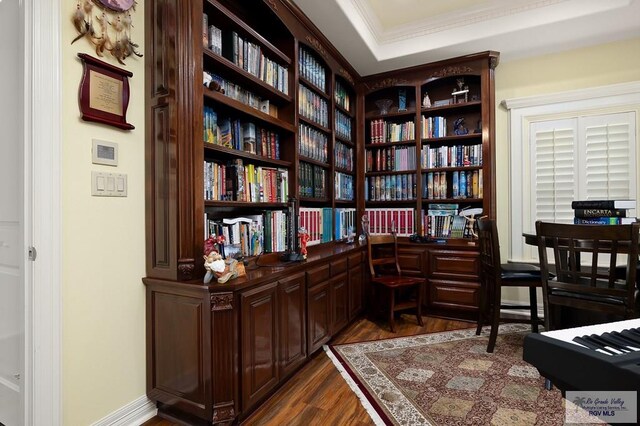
(312, 143)
(313, 106)
(341, 96)
(399, 187)
(603, 212)
(312, 182)
(311, 70)
(318, 222)
(434, 127)
(395, 158)
(455, 184)
(443, 225)
(236, 181)
(345, 222)
(343, 156)
(451, 156)
(237, 92)
(344, 187)
(387, 220)
(343, 125)
(249, 57)
(250, 235)
(241, 135)
(385, 131)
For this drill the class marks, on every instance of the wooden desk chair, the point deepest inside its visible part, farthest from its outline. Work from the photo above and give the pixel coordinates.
(582, 280)
(495, 275)
(386, 274)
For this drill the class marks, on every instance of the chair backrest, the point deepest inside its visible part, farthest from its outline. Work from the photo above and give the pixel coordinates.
(489, 250)
(578, 253)
(380, 256)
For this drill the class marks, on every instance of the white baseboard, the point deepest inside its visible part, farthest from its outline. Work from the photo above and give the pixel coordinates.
(133, 414)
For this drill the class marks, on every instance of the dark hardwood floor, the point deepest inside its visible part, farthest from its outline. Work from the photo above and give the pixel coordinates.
(317, 394)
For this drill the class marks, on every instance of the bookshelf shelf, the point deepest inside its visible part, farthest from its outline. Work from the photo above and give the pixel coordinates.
(451, 200)
(391, 172)
(314, 162)
(222, 65)
(452, 107)
(410, 202)
(224, 152)
(451, 169)
(345, 171)
(411, 142)
(345, 111)
(409, 113)
(314, 88)
(243, 204)
(345, 141)
(324, 200)
(226, 102)
(314, 124)
(455, 138)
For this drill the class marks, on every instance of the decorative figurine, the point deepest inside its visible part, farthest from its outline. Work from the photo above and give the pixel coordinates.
(364, 221)
(458, 127)
(304, 239)
(402, 100)
(462, 89)
(426, 102)
(216, 266)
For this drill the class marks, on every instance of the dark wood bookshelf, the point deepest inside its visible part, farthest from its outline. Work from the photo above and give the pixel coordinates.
(314, 200)
(343, 110)
(245, 204)
(451, 169)
(451, 200)
(375, 115)
(410, 142)
(391, 172)
(315, 89)
(453, 138)
(314, 162)
(344, 141)
(381, 203)
(312, 123)
(460, 106)
(345, 171)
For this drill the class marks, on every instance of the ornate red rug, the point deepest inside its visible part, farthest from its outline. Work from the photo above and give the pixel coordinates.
(448, 378)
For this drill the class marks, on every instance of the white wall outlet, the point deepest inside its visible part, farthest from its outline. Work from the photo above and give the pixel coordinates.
(108, 184)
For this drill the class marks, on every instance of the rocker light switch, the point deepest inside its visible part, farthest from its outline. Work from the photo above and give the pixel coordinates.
(108, 184)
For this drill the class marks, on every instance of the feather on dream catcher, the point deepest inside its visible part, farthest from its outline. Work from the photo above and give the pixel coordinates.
(107, 24)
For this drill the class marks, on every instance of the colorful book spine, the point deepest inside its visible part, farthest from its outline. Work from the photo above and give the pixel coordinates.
(597, 221)
(587, 213)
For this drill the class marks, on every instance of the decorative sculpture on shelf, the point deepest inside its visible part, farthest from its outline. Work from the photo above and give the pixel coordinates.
(458, 127)
(364, 222)
(304, 239)
(461, 90)
(470, 216)
(216, 265)
(426, 101)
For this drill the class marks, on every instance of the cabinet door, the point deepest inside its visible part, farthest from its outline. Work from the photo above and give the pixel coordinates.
(450, 294)
(319, 312)
(259, 351)
(356, 285)
(453, 264)
(413, 261)
(339, 302)
(292, 318)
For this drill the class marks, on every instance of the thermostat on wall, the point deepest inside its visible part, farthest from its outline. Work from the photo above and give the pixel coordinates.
(104, 152)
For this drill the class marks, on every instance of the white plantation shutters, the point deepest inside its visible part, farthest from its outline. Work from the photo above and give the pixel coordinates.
(609, 165)
(580, 158)
(553, 167)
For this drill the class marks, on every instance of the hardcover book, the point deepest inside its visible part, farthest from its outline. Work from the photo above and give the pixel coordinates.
(604, 204)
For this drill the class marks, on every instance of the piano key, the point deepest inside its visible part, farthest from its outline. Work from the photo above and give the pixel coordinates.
(595, 337)
(629, 336)
(592, 345)
(621, 343)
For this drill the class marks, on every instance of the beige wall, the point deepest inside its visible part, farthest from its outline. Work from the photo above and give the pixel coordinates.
(103, 358)
(577, 69)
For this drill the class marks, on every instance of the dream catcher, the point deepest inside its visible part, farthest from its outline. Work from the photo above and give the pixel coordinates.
(108, 26)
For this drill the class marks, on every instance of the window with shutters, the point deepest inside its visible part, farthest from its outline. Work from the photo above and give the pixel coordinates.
(583, 148)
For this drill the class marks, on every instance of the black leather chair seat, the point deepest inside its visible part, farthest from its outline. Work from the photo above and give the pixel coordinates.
(520, 271)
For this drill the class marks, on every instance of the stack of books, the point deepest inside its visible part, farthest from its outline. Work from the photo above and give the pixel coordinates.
(603, 212)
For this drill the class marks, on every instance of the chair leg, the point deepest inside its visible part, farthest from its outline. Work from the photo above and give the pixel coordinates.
(533, 302)
(392, 295)
(495, 321)
(481, 310)
(419, 309)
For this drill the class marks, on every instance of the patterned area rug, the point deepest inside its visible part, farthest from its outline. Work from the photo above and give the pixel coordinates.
(448, 378)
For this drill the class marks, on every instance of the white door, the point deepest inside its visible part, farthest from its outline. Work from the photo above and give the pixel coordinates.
(11, 212)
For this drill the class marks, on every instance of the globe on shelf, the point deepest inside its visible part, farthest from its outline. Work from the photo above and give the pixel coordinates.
(383, 105)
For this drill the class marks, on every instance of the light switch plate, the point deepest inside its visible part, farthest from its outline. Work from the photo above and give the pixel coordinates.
(104, 152)
(108, 184)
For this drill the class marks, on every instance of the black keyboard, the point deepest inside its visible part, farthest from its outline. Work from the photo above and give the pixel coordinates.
(597, 358)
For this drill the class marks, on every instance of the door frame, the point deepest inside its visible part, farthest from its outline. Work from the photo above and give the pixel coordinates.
(41, 127)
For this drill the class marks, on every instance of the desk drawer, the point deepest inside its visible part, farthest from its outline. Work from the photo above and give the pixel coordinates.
(449, 264)
(338, 266)
(318, 275)
(454, 294)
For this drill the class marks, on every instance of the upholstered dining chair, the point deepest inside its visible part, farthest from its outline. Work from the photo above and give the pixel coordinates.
(494, 276)
(584, 259)
(386, 277)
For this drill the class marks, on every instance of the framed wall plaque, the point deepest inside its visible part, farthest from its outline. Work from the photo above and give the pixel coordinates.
(104, 93)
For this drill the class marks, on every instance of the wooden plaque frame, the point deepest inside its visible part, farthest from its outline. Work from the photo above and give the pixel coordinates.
(104, 93)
